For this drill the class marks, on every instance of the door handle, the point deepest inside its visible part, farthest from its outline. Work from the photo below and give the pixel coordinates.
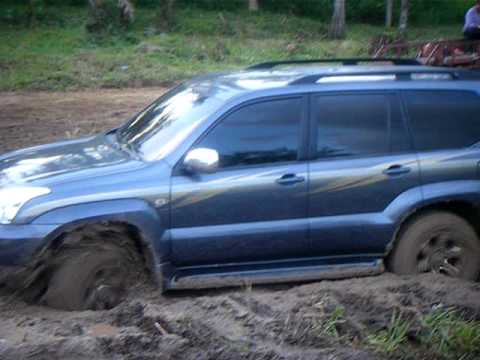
(396, 170)
(290, 179)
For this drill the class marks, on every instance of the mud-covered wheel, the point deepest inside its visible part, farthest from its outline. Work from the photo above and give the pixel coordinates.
(94, 273)
(438, 242)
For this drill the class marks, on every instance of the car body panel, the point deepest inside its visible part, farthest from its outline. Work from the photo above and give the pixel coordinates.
(134, 180)
(152, 222)
(452, 165)
(237, 215)
(352, 195)
(347, 211)
(61, 162)
(18, 243)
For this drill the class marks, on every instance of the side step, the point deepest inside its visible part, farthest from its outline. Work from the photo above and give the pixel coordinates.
(275, 276)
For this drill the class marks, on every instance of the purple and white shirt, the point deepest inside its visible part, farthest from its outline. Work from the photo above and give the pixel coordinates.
(472, 19)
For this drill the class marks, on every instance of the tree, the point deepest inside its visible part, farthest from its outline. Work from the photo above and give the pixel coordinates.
(166, 15)
(388, 13)
(109, 16)
(337, 25)
(253, 5)
(403, 23)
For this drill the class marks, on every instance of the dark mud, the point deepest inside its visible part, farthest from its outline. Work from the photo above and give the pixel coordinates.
(276, 322)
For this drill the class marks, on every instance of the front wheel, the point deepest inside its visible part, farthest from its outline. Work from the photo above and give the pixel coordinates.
(437, 242)
(88, 280)
(93, 270)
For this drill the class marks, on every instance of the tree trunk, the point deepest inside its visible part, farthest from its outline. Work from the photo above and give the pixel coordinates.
(35, 7)
(388, 13)
(253, 5)
(127, 11)
(337, 25)
(403, 24)
(166, 15)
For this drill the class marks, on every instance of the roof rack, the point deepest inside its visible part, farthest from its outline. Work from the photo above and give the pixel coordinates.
(427, 73)
(344, 62)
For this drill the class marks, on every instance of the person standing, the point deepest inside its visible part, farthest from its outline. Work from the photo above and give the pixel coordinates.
(471, 30)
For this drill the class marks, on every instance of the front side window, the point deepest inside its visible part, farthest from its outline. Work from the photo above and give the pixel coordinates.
(357, 125)
(443, 119)
(266, 132)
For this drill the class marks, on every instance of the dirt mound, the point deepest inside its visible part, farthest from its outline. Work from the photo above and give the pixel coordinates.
(277, 322)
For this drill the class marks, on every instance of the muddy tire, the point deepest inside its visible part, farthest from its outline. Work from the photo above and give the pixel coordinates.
(438, 242)
(93, 274)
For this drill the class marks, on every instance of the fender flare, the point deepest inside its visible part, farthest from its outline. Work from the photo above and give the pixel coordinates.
(415, 200)
(136, 213)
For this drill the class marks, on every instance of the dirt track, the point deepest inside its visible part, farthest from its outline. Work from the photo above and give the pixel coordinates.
(277, 322)
(28, 119)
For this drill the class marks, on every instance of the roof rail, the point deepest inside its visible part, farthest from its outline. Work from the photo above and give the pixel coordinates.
(344, 62)
(401, 74)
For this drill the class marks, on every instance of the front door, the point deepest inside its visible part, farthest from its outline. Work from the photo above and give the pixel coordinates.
(362, 162)
(254, 208)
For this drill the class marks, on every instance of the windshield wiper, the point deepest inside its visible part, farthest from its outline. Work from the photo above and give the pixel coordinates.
(130, 149)
(123, 146)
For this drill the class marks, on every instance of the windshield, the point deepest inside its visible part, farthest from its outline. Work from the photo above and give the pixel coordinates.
(168, 121)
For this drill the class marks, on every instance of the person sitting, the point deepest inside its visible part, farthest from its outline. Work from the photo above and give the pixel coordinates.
(471, 30)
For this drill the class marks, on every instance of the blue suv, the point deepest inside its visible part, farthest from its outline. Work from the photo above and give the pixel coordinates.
(287, 171)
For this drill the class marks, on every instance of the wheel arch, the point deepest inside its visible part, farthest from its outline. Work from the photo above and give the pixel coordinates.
(142, 244)
(141, 221)
(463, 208)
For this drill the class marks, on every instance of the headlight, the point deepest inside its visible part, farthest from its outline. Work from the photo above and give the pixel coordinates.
(13, 198)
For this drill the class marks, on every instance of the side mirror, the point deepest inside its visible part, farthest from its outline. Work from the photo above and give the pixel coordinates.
(201, 160)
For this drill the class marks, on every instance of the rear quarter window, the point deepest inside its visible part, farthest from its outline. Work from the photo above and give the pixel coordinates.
(443, 119)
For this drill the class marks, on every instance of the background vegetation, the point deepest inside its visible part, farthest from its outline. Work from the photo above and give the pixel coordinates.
(45, 44)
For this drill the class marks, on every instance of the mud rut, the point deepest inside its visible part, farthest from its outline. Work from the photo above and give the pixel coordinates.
(267, 322)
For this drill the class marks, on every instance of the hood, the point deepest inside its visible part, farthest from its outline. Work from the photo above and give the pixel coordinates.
(43, 164)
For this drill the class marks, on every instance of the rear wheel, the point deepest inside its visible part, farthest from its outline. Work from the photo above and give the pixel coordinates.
(437, 242)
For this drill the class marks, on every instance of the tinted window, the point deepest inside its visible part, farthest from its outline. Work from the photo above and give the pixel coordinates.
(444, 120)
(358, 125)
(266, 132)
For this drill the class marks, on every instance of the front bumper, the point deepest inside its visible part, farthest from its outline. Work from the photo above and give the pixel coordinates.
(19, 242)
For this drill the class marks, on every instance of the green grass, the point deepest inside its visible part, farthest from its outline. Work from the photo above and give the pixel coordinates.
(390, 340)
(330, 326)
(443, 334)
(59, 54)
(451, 336)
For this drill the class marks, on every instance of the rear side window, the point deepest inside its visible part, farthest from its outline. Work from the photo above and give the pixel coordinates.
(443, 119)
(358, 125)
(262, 133)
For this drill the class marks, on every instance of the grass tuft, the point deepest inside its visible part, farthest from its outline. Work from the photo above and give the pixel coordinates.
(336, 318)
(389, 341)
(450, 335)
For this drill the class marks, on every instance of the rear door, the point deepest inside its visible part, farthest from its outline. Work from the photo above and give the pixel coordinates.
(362, 161)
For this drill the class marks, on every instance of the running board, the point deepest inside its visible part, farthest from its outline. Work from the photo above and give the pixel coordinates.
(275, 276)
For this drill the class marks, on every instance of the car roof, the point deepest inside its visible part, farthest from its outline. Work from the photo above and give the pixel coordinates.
(229, 84)
(266, 79)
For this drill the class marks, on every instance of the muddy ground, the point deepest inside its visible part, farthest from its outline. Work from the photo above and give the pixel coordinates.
(267, 322)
